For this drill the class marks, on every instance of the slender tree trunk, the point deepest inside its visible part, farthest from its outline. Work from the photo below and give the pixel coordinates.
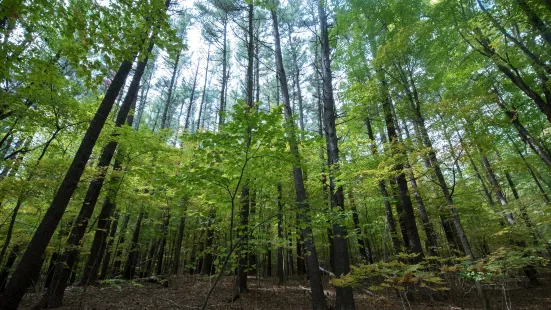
(199, 119)
(164, 118)
(386, 198)
(143, 98)
(119, 246)
(318, 297)
(164, 230)
(107, 258)
(179, 240)
(345, 297)
(208, 260)
(191, 98)
(414, 242)
(432, 243)
(222, 109)
(134, 250)
(280, 257)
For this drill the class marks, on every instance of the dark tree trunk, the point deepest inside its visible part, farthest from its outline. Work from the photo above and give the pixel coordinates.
(432, 243)
(222, 108)
(345, 297)
(191, 98)
(143, 98)
(318, 297)
(179, 240)
(414, 242)
(208, 261)
(63, 270)
(162, 245)
(134, 250)
(535, 21)
(280, 257)
(201, 107)
(28, 269)
(9, 233)
(166, 108)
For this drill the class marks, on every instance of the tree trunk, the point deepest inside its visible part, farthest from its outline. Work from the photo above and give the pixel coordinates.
(318, 297)
(118, 247)
(63, 270)
(222, 108)
(164, 119)
(199, 119)
(397, 245)
(208, 261)
(280, 257)
(134, 250)
(191, 98)
(179, 240)
(28, 269)
(344, 298)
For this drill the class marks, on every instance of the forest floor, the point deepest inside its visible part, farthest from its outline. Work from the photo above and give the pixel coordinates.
(189, 292)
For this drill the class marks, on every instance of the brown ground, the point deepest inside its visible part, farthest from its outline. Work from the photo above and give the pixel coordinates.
(189, 292)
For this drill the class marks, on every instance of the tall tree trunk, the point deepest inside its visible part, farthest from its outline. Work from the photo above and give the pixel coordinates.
(345, 297)
(208, 261)
(63, 270)
(143, 98)
(201, 107)
(243, 263)
(414, 244)
(179, 240)
(280, 257)
(191, 98)
(432, 243)
(222, 108)
(318, 297)
(28, 269)
(397, 245)
(164, 119)
(134, 250)
(162, 245)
